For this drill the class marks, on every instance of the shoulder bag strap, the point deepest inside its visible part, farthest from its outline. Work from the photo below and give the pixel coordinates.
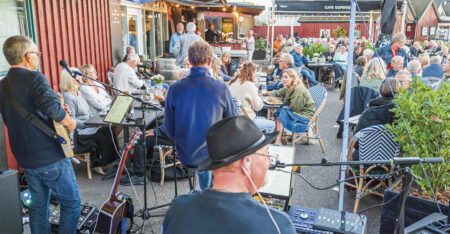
(30, 117)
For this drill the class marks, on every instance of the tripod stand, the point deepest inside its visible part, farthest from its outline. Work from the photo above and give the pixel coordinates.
(404, 166)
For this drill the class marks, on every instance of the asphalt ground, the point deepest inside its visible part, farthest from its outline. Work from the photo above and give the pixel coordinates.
(96, 191)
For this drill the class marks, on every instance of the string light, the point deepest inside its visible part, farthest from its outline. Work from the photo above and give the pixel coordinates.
(224, 9)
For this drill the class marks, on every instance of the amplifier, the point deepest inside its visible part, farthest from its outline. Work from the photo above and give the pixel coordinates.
(327, 221)
(86, 222)
(10, 207)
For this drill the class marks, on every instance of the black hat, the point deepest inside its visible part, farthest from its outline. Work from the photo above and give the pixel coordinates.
(232, 139)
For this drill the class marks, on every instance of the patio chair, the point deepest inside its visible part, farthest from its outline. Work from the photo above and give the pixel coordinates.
(239, 107)
(319, 95)
(86, 158)
(375, 143)
(432, 80)
(165, 152)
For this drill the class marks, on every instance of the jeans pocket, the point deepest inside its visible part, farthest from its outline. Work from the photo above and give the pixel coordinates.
(50, 174)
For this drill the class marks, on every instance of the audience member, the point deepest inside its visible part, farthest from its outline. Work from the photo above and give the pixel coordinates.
(216, 70)
(416, 49)
(340, 58)
(277, 44)
(389, 51)
(426, 45)
(95, 94)
(98, 141)
(368, 53)
(192, 105)
(360, 64)
(276, 70)
(184, 42)
(373, 74)
(414, 67)
(244, 89)
(176, 36)
(125, 78)
(301, 62)
(240, 169)
(424, 60)
(404, 77)
(396, 66)
(288, 46)
(211, 35)
(434, 69)
(286, 62)
(305, 42)
(250, 41)
(356, 54)
(129, 50)
(330, 53)
(301, 106)
(444, 55)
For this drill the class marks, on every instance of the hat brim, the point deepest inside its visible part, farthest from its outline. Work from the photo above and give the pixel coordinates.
(205, 164)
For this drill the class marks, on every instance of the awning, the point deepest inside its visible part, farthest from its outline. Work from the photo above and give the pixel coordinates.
(297, 6)
(218, 6)
(141, 1)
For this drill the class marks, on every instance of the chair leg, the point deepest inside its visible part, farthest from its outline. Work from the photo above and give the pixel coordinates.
(294, 139)
(162, 161)
(88, 165)
(359, 191)
(307, 136)
(316, 129)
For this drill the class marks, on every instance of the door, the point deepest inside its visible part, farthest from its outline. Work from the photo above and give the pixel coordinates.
(135, 35)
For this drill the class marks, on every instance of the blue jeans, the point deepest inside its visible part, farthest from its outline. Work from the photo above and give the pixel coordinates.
(264, 124)
(60, 178)
(310, 76)
(204, 179)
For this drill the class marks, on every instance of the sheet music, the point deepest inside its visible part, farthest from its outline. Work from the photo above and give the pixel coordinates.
(279, 182)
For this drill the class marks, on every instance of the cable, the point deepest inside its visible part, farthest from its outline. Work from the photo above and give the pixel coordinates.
(265, 205)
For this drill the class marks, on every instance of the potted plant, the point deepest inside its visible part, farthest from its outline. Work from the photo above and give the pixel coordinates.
(427, 115)
(260, 50)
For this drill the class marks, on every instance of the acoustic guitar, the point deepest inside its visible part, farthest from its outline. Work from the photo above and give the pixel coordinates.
(62, 132)
(114, 209)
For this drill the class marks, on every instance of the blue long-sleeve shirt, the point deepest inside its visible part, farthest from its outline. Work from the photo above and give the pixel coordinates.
(299, 60)
(192, 105)
(173, 41)
(31, 147)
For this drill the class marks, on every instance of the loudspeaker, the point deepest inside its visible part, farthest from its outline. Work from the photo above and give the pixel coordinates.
(10, 207)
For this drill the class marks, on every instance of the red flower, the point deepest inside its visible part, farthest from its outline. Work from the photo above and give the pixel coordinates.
(436, 118)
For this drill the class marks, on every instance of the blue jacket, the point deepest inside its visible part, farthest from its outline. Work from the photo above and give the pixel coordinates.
(433, 70)
(30, 146)
(391, 73)
(386, 54)
(173, 41)
(299, 60)
(192, 105)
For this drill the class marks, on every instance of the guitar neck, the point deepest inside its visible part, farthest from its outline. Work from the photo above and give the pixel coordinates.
(119, 171)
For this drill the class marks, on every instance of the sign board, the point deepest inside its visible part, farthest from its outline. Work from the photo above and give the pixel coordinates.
(326, 6)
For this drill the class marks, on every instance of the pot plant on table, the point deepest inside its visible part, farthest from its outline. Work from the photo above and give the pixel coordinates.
(260, 50)
(427, 115)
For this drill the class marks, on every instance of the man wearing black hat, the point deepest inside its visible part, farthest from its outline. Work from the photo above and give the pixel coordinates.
(239, 165)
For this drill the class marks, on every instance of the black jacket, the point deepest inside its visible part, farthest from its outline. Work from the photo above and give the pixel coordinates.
(377, 113)
(328, 54)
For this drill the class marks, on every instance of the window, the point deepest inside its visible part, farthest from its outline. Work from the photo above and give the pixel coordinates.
(13, 12)
(408, 28)
(424, 30)
(432, 31)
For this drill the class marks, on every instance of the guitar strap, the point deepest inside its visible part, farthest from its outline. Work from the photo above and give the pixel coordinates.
(30, 117)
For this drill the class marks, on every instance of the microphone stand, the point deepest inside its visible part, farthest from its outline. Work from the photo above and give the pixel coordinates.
(141, 123)
(403, 163)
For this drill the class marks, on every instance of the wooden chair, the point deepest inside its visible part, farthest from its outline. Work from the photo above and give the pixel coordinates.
(319, 95)
(375, 143)
(86, 158)
(239, 107)
(165, 152)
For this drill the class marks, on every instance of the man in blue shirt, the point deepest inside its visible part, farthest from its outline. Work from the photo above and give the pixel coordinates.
(45, 166)
(434, 69)
(396, 66)
(240, 165)
(301, 61)
(192, 105)
(175, 36)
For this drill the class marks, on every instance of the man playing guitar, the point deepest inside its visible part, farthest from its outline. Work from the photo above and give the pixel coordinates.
(45, 165)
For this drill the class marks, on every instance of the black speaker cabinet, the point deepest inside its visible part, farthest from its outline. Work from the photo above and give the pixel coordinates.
(10, 206)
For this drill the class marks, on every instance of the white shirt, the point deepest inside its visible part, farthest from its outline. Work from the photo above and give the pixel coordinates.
(125, 78)
(98, 102)
(251, 44)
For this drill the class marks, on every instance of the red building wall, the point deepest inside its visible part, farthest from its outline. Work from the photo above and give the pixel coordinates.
(310, 29)
(429, 19)
(75, 30)
(410, 34)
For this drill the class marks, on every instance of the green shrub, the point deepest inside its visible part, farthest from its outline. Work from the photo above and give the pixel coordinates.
(314, 49)
(340, 32)
(427, 115)
(259, 44)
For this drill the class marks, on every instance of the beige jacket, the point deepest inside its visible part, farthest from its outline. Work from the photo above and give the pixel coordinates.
(247, 94)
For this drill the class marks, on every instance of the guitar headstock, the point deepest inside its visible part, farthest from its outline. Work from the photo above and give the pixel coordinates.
(133, 139)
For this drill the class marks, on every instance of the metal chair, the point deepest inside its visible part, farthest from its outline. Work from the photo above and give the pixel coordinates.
(375, 143)
(319, 95)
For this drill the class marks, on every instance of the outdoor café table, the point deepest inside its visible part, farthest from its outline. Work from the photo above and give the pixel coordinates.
(317, 67)
(271, 108)
(352, 121)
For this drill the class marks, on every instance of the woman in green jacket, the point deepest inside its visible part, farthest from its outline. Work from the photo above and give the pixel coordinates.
(299, 107)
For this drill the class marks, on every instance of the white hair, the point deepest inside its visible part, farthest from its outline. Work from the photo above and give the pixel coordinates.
(368, 52)
(414, 66)
(435, 60)
(191, 27)
(397, 59)
(133, 57)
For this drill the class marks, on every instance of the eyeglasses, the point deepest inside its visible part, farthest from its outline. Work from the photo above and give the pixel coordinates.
(273, 158)
(94, 72)
(37, 53)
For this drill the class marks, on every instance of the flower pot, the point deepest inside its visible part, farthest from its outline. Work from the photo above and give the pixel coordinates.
(416, 208)
(259, 55)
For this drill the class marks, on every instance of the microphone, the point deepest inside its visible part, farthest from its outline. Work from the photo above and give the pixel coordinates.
(63, 64)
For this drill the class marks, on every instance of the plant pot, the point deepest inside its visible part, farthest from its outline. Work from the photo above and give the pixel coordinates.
(259, 55)
(416, 208)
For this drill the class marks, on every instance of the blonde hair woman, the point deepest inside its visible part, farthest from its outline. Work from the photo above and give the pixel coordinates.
(373, 74)
(424, 60)
(301, 106)
(244, 89)
(97, 141)
(95, 94)
(217, 74)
